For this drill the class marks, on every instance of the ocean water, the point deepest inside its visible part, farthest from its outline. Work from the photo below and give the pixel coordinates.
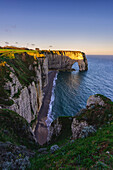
(72, 89)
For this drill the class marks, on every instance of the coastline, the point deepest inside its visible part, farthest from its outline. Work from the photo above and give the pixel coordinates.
(41, 130)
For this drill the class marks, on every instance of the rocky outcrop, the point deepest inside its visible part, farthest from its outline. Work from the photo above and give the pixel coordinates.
(81, 129)
(55, 129)
(26, 104)
(63, 60)
(95, 100)
(98, 112)
(27, 100)
(78, 129)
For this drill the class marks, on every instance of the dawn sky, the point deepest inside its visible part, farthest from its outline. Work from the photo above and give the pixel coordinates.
(85, 25)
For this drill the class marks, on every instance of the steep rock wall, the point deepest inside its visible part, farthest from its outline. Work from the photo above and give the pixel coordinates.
(44, 70)
(25, 91)
(63, 60)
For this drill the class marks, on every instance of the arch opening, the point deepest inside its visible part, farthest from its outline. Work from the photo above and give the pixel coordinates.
(75, 66)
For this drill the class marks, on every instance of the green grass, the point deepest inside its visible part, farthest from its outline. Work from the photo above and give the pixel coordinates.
(93, 152)
(15, 129)
(20, 64)
(99, 115)
(16, 50)
(4, 94)
(90, 152)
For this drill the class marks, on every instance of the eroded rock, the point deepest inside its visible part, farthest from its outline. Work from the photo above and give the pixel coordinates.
(54, 129)
(54, 148)
(63, 60)
(94, 100)
(81, 129)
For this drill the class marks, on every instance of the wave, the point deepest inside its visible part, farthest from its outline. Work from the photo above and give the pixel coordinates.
(50, 117)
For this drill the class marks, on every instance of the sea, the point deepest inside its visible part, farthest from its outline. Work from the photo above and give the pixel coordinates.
(71, 90)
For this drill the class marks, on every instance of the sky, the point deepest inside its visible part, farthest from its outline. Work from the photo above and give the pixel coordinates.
(82, 25)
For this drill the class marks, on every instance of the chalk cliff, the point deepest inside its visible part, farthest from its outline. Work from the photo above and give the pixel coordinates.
(63, 60)
(23, 78)
(24, 75)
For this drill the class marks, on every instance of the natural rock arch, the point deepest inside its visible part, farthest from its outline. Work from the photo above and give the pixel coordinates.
(66, 59)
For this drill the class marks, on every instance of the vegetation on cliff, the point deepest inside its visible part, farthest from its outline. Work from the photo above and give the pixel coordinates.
(15, 129)
(94, 151)
(19, 65)
(17, 142)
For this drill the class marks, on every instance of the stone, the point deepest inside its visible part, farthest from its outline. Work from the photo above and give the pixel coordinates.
(54, 129)
(81, 129)
(77, 127)
(95, 100)
(13, 85)
(86, 131)
(54, 148)
(42, 150)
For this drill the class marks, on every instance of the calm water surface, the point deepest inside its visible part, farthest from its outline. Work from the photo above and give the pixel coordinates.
(73, 89)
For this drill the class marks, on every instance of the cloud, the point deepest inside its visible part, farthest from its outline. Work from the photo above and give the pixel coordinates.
(10, 28)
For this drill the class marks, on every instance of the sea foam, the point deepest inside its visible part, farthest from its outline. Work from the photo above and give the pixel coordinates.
(50, 116)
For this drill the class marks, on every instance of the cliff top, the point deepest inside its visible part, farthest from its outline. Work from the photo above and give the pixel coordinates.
(78, 55)
(20, 65)
(33, 53)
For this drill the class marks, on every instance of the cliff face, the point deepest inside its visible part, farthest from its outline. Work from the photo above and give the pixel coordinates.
(23, 79)
(63, 60)
(24, 75)
(44, 70)
(98, 112)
